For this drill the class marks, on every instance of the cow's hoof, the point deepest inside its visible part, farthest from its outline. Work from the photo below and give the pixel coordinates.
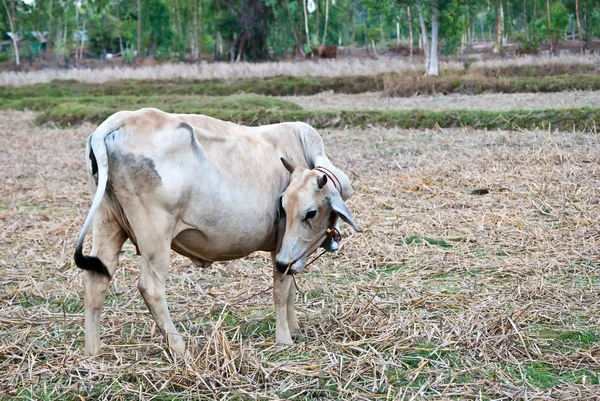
(176, 344)
(285, 340)
(92, 350)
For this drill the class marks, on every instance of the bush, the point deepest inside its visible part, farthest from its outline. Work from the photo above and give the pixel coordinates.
(528, 45)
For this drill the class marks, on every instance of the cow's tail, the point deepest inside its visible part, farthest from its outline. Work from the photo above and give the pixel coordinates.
(99, 154)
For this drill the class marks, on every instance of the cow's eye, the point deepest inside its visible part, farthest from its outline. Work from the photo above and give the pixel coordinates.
(310, 214)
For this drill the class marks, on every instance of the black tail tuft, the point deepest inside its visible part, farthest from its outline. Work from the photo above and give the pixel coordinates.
(90, 263)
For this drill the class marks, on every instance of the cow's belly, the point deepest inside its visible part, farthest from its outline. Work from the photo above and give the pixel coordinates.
(203, 249)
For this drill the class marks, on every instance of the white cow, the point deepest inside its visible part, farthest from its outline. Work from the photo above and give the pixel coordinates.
(211, 191)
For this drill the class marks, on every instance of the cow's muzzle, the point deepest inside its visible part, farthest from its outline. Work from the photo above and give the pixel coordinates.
(288, 267)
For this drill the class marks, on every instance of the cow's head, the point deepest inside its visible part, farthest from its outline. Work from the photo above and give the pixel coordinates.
(308, 203)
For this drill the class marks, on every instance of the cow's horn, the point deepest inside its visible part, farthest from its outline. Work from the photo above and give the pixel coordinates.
(288, 165)
(321, 181)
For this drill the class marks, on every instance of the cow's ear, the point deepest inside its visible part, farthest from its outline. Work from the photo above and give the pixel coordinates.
(280, 209)
(338, 206)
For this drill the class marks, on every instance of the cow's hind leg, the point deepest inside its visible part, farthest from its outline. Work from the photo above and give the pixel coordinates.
(108, 238)
(154, 235)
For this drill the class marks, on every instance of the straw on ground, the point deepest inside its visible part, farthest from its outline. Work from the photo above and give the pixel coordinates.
(445, 295)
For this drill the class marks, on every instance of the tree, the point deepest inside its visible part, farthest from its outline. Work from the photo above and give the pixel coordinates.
(424, 34)
(252, 21)
(139, 28)
(410, 31)
(431, 51)
(326, 22)
(433, 54)
(499, 24)
(119, 26)
(579, 26)
(13, 31)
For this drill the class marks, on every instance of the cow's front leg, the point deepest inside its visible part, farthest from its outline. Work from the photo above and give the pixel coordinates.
(281, 289)
(291, 310)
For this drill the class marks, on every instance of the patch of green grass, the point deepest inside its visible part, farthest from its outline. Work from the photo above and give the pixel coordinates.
(254, 323)
(177, 103)
(579, 338)
(276, 86)
(544, 376)
(417, 239)
(313, 293)
(258, 110)
(69, 305)
(485, 253)
(408, 85)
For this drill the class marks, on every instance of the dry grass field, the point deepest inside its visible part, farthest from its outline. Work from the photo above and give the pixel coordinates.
(447, 294)
(320, 68)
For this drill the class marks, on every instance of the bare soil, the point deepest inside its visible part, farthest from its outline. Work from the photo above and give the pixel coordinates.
(487, 101)
(445, 295)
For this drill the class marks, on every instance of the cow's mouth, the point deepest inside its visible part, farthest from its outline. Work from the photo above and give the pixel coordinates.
(292, 267)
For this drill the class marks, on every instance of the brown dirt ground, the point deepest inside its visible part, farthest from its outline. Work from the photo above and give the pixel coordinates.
(489, 101)
(445, 294)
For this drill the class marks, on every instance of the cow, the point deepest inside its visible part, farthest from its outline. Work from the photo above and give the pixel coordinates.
(209, 190)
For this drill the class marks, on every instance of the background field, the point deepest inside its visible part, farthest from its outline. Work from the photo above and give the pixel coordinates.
(477, 275)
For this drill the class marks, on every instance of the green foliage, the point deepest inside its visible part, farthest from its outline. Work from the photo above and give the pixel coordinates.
(374, 34)
(247, 111)
(559, 21)
(529, 44)
(453, 21)
(168, 26)
(559, 17)
(360, 34)
(417, 239)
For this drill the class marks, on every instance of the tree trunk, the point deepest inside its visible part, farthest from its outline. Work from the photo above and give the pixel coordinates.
(581, 41)
(433, 58)
(253, 22)
(11, 22)
(353, 27)
(410, 32)
(195, 30)
(298, 51)
(178, 18)
(199, 28)
(82, 43)
(468, 30)
(139, 29)
(381, 37)
(306, 24)
(525, 19)
(482, 31)
(397, 33)
(317, 24)
(499, 24)
(424, 35)
(549, 25)
(119, 27)
(76, 28)
(326, 23)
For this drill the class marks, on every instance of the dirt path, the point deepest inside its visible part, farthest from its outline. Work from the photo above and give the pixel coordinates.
(491, 101)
